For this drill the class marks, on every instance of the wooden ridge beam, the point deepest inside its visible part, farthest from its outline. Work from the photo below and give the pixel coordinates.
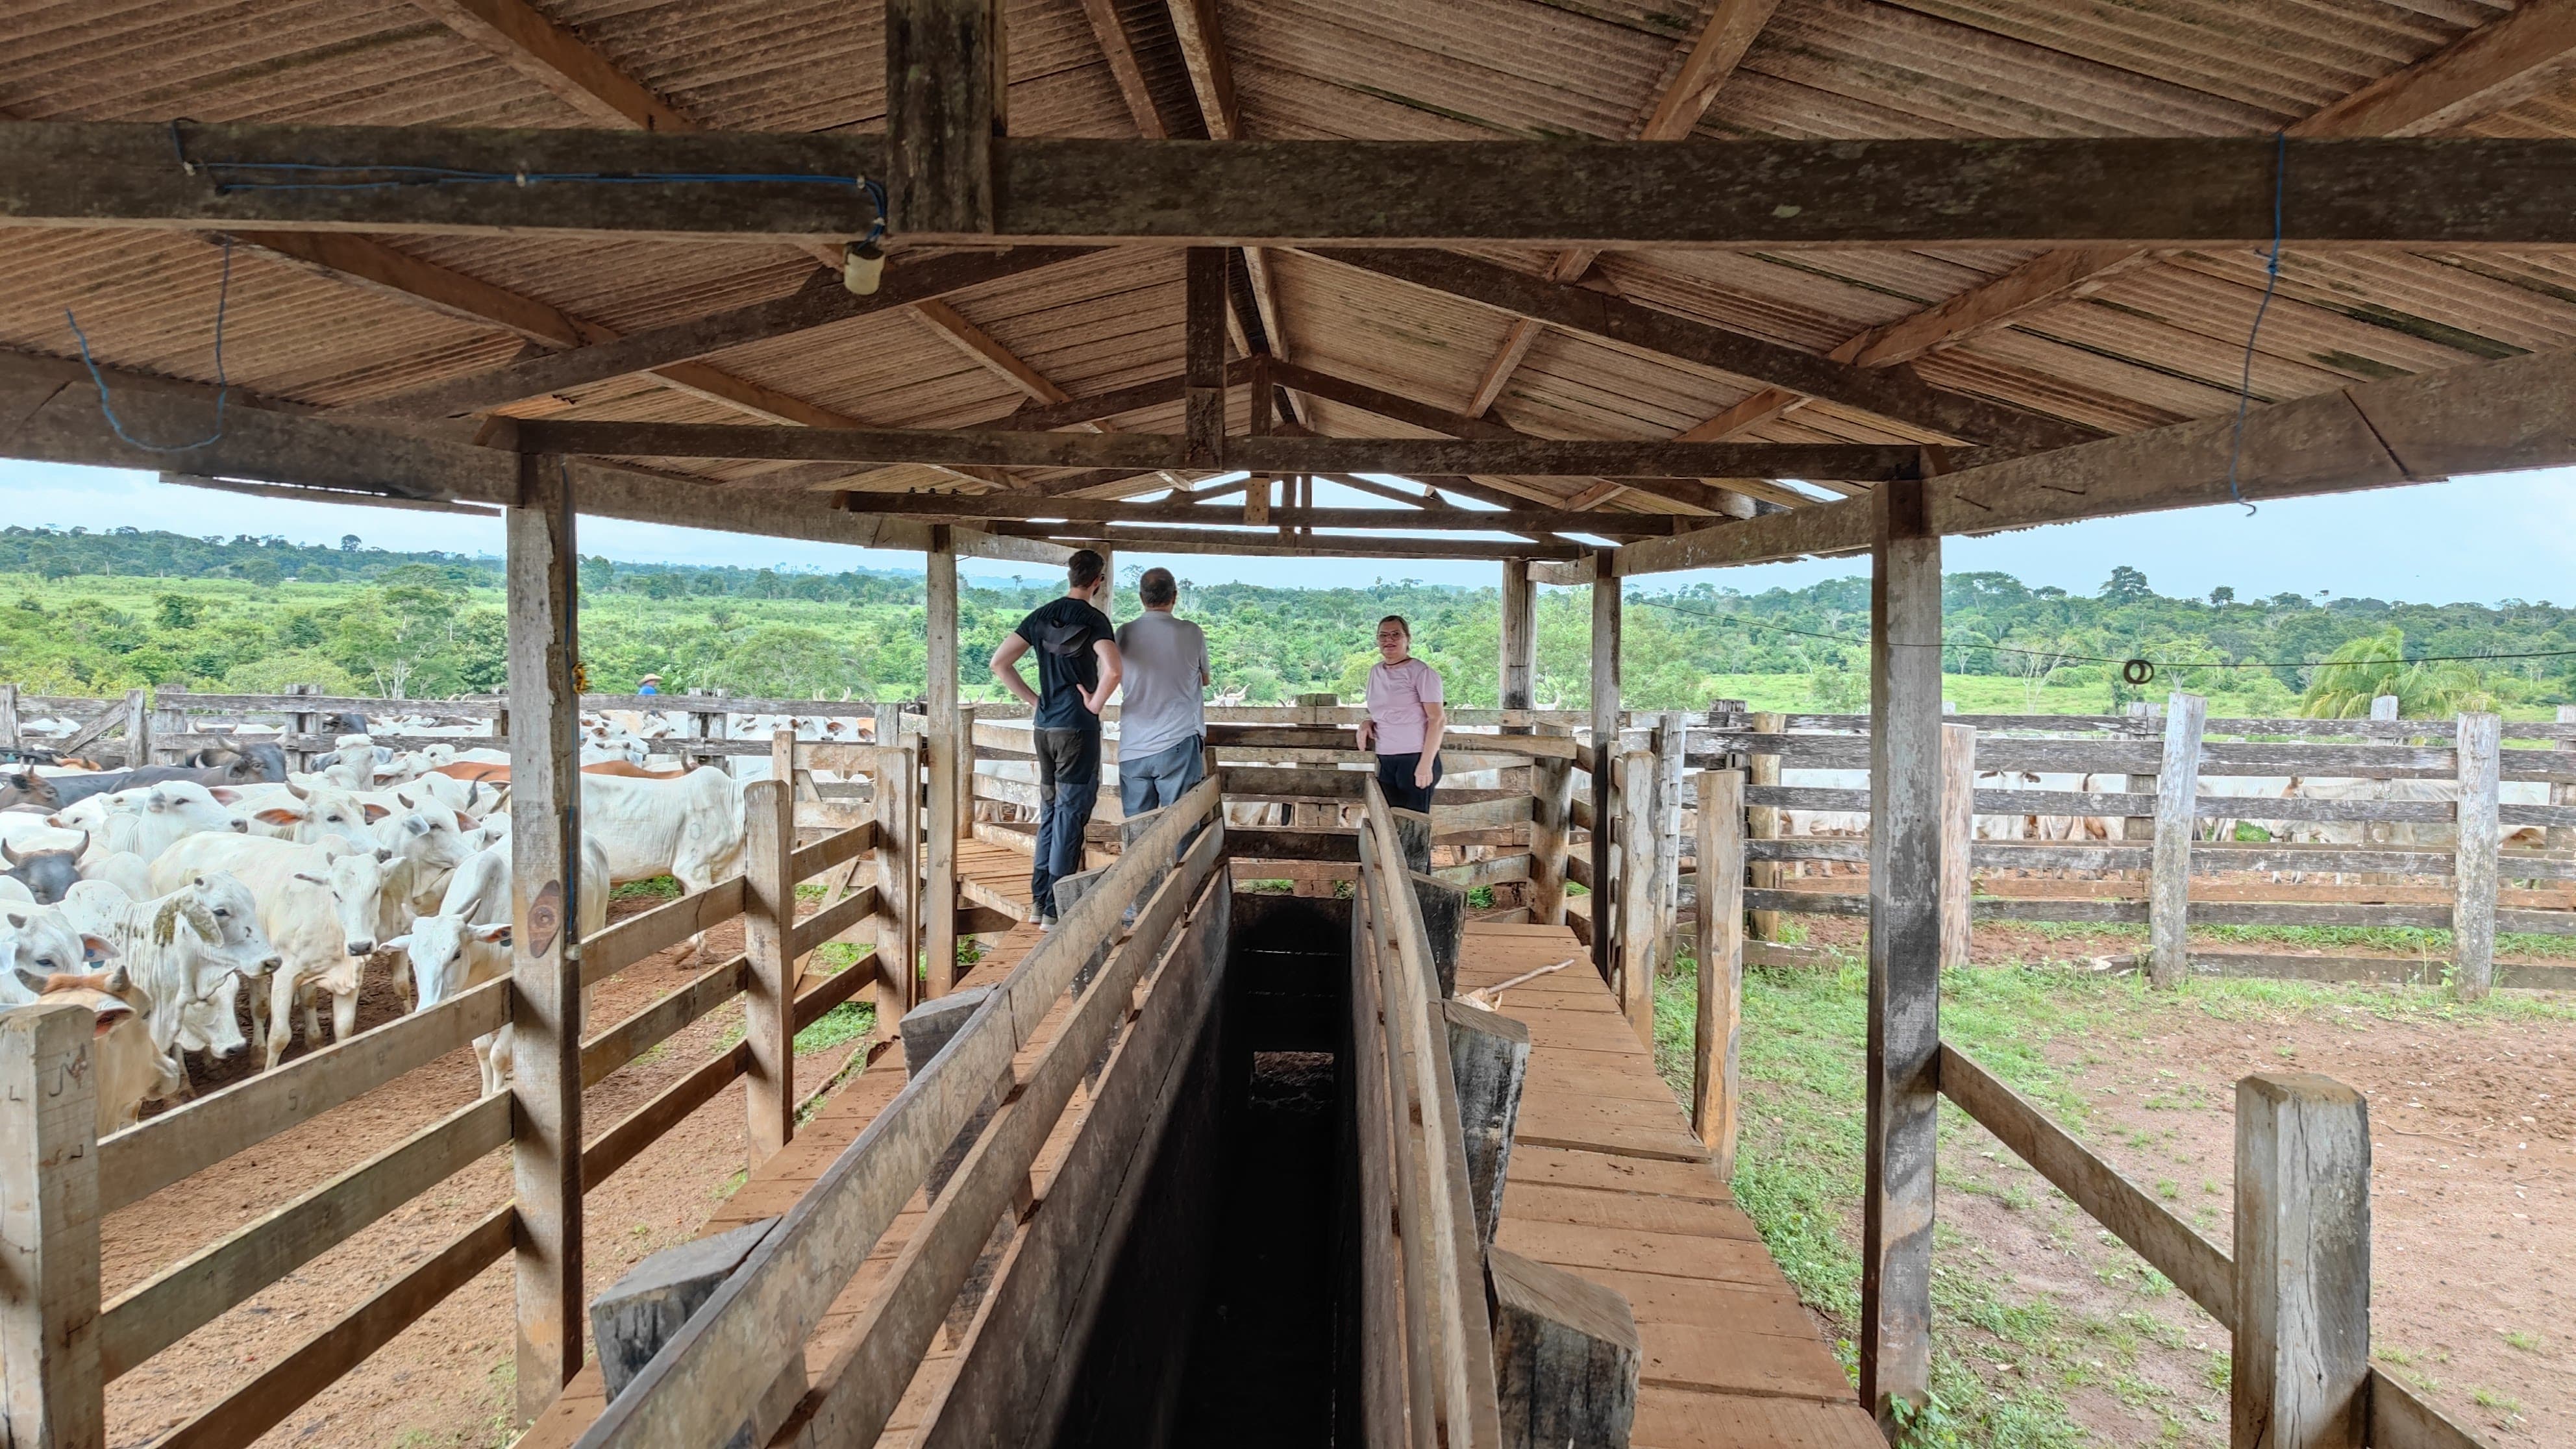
(1026, 507)
(821, 303)
(1889, 394)
(2403, 192)
(1194, 25)
(2487, 417)
(1148, 452)
(2491, 68)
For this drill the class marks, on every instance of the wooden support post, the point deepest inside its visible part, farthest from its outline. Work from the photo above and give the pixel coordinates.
(2301, 1361)
(945, 102)
(1762, 822)
(2384, 708)
(1715, 1086)
(1203, 358)
(2557, 837)
(1904, 953)
(11, 735)
(2141, 827)
(1444, 924)
(1639, 950)
(169, 717)
(962, 757)
(768, 920)
(1958, 840)
(1517, 674)
(1605, 766)
(1671, 737)
(303, 722)
(51, 1389)
(898, 812)
(1566, 1356)
(2169, 879)
(138, 728)
(1551, 824)
(943, 738)
(2473, 873)
(545, 1008)
(1488, 1061)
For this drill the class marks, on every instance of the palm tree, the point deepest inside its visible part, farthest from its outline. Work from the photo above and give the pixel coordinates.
(2376, 664)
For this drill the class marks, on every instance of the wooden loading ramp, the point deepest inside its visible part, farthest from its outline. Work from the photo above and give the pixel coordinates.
(1607, 1182)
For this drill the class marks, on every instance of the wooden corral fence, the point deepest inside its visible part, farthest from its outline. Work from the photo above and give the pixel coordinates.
(63, 1345)
(2156, 868)
(1073, 997)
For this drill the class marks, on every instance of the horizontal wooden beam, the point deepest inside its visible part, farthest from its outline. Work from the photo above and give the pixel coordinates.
(2168, 192)
(1032, 507)
(59, 421)
(2488, 417)
(820, 303)
(1892, 393)
(1145, 452)
(1283, 543)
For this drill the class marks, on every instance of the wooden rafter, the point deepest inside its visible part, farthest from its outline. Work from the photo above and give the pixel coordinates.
(1194, 22)
(559, 60)
(2498, 65)
(1025, 506)
(1676, 109)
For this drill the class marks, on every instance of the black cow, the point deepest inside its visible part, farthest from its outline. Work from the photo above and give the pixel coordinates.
(214, 767)
(47, 874)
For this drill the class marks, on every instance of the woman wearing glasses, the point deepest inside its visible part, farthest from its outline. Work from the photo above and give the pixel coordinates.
(1405, 718)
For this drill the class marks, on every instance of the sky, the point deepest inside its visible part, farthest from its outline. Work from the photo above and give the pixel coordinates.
(2476, 540)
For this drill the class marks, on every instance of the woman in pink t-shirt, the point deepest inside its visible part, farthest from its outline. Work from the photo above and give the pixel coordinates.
(1405, 718)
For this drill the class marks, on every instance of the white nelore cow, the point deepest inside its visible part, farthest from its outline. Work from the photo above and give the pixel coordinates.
(126, 1069)
(320, 904)
(148, 821)
(690, 829)
(38, 941)
(466, 941)
(188, 952)
(307, 814)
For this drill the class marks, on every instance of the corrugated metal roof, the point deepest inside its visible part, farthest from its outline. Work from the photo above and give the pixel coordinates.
(2157, 343)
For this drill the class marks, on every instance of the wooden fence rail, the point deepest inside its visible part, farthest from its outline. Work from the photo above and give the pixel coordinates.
(201, 1287)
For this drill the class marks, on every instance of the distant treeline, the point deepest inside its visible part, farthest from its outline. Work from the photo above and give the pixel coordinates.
(94, 612)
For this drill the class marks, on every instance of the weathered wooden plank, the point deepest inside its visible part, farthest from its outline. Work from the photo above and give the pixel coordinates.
(2169, 878)
(542, 572)
(659, 929)
(945, 747)
(1904, 954)
(2170, 1245)
(661, 1019)
(945, 100)
(1489, 1060)
(51, 1387)
(1566, 1356)
(1716, 1073)
(320, 1361)
(2473, 910)
(149, 1156)
(1958, 840)
(769, 977)
(2156, 191)
(1605, 799)
(2301, 1355)
(196, 1290)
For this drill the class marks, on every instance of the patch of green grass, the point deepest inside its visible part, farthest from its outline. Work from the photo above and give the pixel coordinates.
(2527, 1342)
(655, 888)
(732, 1184)
(1267, 887)
(1481, 898)
(848, 1022)
(2486, 1398)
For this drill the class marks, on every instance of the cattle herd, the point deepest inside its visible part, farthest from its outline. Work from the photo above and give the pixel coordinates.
(198, 908)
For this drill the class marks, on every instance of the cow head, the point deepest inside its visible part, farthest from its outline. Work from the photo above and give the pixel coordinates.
(356, 881)
(441, 948)
(26, 787)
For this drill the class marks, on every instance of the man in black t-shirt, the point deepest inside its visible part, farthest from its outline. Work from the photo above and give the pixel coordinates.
(1078, 669)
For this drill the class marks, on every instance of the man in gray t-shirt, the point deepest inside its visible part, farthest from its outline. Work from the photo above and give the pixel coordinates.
(1160, 720)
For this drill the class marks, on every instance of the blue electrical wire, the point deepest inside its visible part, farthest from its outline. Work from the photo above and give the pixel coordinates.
(223, 384)
(2271, 283)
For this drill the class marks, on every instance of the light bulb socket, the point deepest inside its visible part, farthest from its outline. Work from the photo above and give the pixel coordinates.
(862, 266)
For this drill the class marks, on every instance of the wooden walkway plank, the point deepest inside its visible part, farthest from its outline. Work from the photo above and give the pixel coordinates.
(1606, 1181)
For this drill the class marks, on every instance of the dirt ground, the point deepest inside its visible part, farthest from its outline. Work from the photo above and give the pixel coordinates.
(447, 1380)
(2473, 1206)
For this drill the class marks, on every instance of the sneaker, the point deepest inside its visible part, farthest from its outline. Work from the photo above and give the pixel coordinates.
(1045, 924)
